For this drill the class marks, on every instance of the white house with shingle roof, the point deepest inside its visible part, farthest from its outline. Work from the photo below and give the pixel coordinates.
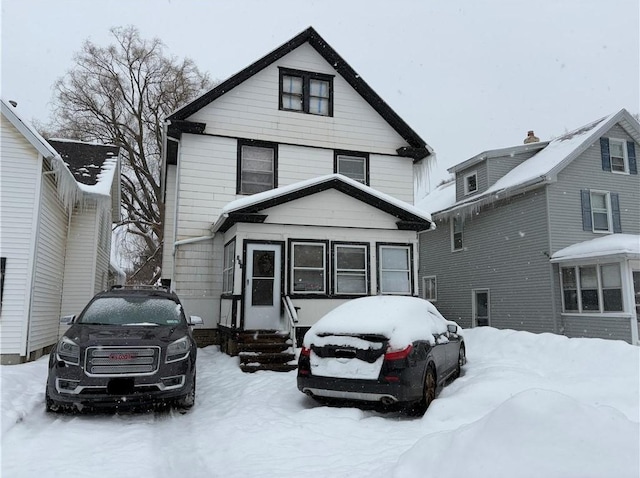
(55, 232)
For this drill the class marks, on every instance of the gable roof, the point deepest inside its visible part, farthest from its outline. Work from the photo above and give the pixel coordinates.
(418, 148)
(88, 162)
(544, 166)
(69, 160)
(247, 209)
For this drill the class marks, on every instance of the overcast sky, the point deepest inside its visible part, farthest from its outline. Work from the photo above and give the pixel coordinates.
(466, 75)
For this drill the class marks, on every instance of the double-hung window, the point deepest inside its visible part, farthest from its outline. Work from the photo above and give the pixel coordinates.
(351, 269)
(618, 154)
(306, 92)
(308, 267)
(228, 267)
(456, 234)
(600, 211)
(394, 263)
(257, 167)
(352, 165)
(592, 288)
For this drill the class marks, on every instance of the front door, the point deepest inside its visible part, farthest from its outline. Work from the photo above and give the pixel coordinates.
(262, 287)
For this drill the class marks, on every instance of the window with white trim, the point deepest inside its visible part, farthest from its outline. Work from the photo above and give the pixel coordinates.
(394, 263)
(456, 234)
(306, 92)
(256, 167)
(350, 269)
(228, 267)
(471, 183)
(594, 288)
(308, 267)
(618, 155)
(601, 211)
(430, 288)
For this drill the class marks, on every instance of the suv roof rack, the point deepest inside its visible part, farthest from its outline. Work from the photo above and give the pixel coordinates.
(140, 287)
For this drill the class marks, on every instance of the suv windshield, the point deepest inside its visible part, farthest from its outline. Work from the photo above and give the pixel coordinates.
(132, 311)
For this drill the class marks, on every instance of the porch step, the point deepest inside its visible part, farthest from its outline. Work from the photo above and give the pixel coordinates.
(262, 347)
(273, 367)
(265, 350)
(260, 357)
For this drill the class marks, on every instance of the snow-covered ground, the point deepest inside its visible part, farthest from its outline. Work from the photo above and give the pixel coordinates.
(526, 406)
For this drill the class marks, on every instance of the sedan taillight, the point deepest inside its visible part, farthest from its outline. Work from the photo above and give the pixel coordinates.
(398, 354)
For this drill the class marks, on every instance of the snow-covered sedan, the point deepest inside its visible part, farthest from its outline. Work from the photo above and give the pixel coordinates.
(387, 349)
(130, 347)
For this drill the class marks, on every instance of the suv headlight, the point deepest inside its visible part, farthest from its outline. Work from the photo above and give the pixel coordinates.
(178, 350)
(68, 351)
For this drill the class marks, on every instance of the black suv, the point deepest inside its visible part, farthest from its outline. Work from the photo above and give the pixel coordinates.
(130, 347)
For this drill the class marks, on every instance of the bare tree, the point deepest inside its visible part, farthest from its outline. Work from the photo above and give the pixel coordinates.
(120, 94)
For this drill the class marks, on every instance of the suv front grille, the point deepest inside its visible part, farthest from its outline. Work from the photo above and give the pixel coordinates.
(105, 361)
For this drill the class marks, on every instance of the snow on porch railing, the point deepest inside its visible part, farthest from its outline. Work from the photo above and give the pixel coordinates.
(291, 315)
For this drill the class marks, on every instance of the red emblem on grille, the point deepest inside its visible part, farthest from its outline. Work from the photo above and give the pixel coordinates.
(122, 356)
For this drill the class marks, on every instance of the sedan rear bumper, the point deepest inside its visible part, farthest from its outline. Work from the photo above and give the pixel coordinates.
(360, 390)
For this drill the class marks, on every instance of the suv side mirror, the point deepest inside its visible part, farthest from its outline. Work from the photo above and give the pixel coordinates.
(195, 320)
(452, 329)
(67, 319)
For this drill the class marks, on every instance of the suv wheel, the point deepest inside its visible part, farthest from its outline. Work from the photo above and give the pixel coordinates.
(189, 400)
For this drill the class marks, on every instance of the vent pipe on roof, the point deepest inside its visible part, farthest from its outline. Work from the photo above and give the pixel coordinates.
(531, 138)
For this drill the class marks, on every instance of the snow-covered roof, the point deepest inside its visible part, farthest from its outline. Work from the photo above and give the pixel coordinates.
(269, 198)
(544, 166)
(401, 319)
(442, 197)
(613, 245)
(71, 189)
(92, 165)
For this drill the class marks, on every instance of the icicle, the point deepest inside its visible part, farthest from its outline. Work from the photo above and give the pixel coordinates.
(67, 187)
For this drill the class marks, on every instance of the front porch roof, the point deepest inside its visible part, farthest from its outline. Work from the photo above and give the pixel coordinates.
(610, 246)
(248, 208)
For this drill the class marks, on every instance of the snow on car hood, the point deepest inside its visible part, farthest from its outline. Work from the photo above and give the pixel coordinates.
(401, 319)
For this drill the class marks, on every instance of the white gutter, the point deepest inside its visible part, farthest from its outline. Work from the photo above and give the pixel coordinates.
(191, 241)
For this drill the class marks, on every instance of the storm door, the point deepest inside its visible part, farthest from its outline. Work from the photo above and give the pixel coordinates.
(481, 307)
(262, 287)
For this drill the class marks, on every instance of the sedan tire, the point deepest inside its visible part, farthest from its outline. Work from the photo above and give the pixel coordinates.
(429, 393)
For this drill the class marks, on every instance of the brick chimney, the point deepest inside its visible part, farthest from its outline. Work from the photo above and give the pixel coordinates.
(531, 138)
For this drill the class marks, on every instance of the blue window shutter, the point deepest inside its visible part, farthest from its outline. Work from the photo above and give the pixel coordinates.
(615, 212)
(631, 153)
(587, 225)
(604, 151)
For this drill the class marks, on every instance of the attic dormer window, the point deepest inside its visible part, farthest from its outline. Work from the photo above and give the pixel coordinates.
(471, 183)
(306, 92)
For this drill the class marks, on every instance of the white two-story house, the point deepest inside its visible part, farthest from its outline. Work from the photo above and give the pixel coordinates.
(288, 189)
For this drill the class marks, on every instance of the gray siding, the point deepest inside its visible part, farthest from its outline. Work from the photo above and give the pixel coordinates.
(585, 172)
(506, 251)
(481, 170)
(597, 327)
(498, 167)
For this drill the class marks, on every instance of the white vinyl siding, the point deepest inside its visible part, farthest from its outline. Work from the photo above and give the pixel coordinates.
(169, 222)
(250, 110)
(49, 269)
(18, 207)
(79, 279)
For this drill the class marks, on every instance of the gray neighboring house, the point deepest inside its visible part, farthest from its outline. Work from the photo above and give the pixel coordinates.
(542, 237)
